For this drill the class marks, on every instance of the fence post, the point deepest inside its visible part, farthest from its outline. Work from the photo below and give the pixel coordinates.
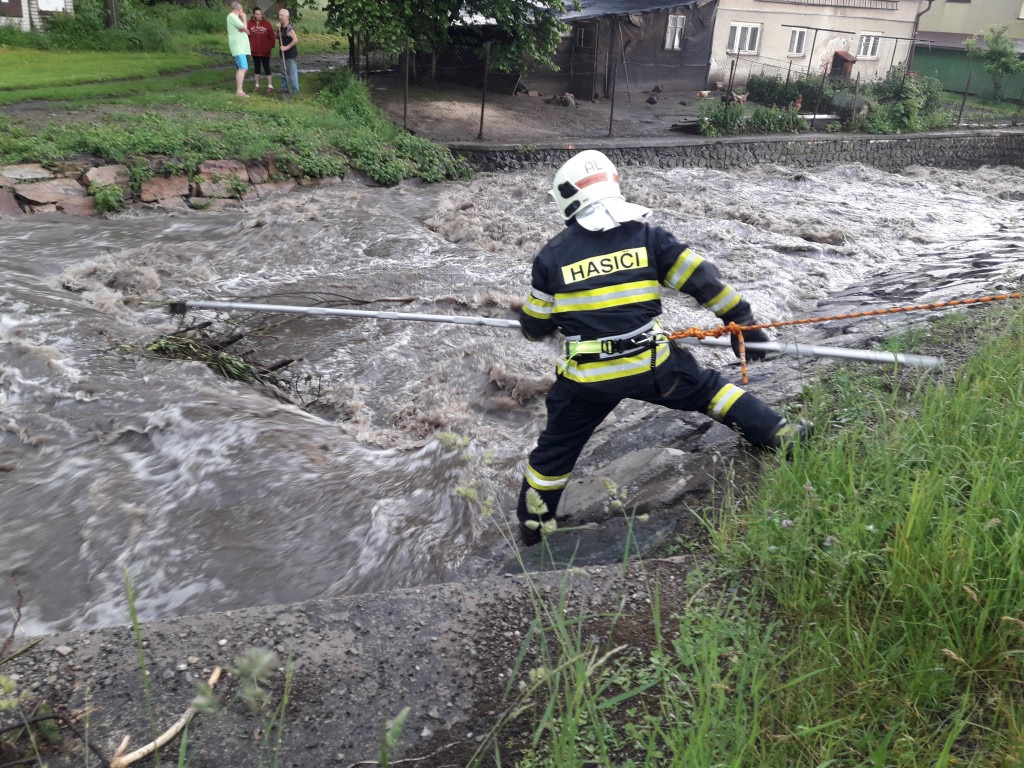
(854, 112)
(405, 94)
(615, 71)
(817, 100)
(963, 101)
(1020, 102)
(483, 94)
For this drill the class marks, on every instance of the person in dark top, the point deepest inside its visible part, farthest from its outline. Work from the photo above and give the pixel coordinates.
(598, 282)
(289, 53)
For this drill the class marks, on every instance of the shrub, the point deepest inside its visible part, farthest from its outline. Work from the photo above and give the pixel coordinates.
(109, 199)
(772, 120)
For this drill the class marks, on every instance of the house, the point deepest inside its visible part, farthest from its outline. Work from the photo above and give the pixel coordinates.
(29, 14)
(940, 42)
(633, 45)
(794, 38)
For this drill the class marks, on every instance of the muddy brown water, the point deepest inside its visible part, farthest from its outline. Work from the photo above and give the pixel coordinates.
(398, 462)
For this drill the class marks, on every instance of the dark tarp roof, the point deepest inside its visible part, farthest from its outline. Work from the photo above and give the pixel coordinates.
(595, 8)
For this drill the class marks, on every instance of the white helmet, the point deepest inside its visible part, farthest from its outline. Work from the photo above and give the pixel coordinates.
(587, 187)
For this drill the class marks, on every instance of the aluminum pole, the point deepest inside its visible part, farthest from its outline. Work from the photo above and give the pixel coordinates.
(783, 348)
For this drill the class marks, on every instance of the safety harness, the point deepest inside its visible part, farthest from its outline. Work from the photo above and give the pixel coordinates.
(649, 336)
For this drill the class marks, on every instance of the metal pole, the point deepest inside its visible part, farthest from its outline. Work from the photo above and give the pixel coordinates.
(856, 109)
(483, 93)
(611, 109)
(784, 348)
(811, 350)
(180, 307)
(405, 96)
(810, 56)
(963, 101)
(817, 101)
(1020, 102)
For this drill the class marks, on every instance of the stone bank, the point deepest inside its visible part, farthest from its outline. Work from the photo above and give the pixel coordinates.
(952, 149)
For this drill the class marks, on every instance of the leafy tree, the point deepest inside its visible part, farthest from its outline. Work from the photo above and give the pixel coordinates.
(999, 54)
(525, 30)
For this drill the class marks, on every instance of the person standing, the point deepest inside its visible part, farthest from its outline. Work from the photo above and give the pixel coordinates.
(238, 44)
(262, 39)
(598, 282)
(289, 52)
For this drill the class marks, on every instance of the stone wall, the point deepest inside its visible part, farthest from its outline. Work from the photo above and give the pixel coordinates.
(960, 149)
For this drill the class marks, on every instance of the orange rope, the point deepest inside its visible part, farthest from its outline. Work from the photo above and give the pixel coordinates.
(733, 328)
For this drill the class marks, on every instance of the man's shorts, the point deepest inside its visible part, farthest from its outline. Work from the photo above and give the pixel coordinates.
(241, 61)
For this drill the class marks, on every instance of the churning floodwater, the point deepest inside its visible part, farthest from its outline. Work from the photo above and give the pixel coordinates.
(397, 457)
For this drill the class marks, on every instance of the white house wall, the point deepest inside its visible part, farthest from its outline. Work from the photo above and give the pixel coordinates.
(32, 13)
(974, 17)
(778, 19)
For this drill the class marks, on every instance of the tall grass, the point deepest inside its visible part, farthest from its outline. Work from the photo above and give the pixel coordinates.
(883, 622)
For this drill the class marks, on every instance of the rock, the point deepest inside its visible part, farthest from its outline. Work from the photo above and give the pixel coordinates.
(163, 187)
(107, 175)
(43, 192)
(174, 204)
(26, 172)
(9, 207)
(258, 173)
(6, 183)
(219, 178)
(64, 650)
(78, 206)
(44, 208)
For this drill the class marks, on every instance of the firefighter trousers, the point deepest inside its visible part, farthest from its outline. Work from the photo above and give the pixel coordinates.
(574, 411)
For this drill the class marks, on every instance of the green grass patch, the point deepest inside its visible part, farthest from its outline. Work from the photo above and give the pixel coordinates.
(320, 133)
(29, 68)
(870, 594)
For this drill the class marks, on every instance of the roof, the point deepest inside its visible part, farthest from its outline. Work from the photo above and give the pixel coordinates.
(955, 40)
(595, 8)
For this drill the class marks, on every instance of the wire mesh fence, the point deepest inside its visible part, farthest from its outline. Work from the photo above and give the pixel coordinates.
(454, 95)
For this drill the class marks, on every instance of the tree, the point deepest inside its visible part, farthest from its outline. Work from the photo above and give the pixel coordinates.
(999, 54)
(527, 30)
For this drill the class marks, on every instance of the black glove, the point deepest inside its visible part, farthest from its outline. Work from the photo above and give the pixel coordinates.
(757, 334)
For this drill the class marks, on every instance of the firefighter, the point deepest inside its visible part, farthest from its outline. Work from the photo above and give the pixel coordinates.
(598, 283)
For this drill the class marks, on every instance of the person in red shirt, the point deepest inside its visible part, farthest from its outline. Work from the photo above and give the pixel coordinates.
(262, 39)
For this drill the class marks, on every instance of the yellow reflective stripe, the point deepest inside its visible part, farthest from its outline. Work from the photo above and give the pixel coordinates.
(727, 298)
(612, 296)
(681, 271)
(723, 401)
(546, 482)
(620, 367)
(589, 347)
(538, 305)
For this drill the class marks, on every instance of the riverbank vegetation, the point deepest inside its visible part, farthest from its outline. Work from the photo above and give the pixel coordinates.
(898, 103)
(870, 595)
(166, 111)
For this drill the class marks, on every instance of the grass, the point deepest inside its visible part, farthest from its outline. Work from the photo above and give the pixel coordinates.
(80, 90)
(882, 622)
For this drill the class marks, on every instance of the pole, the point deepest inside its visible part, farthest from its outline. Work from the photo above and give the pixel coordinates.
(963, 101)
(405, 92)
(1020, 102)
(817, 100)
(483, 93)
(625, 69)
(784, 348)
(856, 109)
(811, 350)
(615, 73)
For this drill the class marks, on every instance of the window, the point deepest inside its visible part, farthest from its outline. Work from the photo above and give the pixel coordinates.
(743, 38)
(674, 33)
(867, 48)
(797, 39)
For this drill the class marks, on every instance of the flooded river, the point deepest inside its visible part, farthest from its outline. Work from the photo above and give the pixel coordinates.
(395, 459)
